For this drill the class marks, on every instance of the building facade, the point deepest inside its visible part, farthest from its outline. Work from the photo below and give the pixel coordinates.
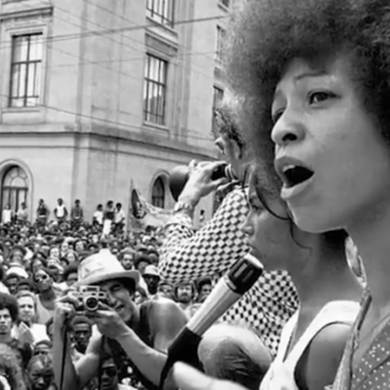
(96, 93)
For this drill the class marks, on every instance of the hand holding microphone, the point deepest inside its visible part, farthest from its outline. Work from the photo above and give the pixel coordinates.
(230, 288)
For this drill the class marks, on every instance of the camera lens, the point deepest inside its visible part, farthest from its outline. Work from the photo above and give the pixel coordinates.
(91, 303)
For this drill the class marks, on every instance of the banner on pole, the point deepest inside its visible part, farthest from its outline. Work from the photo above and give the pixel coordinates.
(142, 214)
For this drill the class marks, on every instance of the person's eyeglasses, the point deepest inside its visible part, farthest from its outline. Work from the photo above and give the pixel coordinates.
(40, 278)
(110, 371)
(40, 352)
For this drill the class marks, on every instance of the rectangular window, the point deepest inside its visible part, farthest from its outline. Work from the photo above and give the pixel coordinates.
(225, 3)
(25, 80)
(217, 98)
(162, 11)
(155, 87)
(221, 33)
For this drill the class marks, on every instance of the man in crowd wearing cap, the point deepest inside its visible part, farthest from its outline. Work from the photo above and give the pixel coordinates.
(11, 281)
(165, 289)
(136, 337)
(16, 262)
(151, 278)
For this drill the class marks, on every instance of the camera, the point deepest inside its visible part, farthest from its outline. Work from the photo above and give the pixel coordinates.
(179, 175)
(90, 297)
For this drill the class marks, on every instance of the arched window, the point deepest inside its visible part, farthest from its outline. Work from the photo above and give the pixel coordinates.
(158, 193)
(14, 188)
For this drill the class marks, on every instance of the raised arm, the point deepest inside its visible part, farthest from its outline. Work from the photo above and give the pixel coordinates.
(186, 254)
(67, 375)
(166, 319)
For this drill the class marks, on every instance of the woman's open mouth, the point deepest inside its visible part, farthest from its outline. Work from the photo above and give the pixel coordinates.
(293, 175)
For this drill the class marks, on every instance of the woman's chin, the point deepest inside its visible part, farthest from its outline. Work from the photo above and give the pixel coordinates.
(314, 221)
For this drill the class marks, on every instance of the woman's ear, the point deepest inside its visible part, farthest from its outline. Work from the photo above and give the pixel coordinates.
(236, 149)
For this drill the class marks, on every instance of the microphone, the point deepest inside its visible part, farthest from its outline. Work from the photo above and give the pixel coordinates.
(229, 289)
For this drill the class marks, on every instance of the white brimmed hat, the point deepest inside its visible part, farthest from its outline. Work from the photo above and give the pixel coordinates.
(101, 267)
(151, 270)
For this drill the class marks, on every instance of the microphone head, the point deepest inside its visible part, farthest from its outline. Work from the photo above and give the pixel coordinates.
(244, 274)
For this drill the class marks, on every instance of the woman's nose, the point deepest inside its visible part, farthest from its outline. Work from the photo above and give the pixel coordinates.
(247, 226)
(287, 129)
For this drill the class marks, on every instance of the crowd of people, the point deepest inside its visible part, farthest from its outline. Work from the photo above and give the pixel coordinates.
(40, 264)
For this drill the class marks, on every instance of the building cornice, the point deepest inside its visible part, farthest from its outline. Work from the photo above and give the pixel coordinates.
(147, 140)
(22, 13)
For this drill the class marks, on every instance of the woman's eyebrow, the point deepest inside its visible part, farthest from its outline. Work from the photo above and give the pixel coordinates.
(299, 77)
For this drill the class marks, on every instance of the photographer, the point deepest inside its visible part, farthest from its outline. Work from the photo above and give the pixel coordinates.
(190, 255)
(135, 336)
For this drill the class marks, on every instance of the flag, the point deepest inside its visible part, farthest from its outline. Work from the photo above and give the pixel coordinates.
(142, 214)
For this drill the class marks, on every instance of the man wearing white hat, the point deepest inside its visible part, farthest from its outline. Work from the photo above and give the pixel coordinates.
(151, 277)
(136, 337)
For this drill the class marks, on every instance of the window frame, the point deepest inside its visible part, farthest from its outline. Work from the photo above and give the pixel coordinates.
(38, 64)
(160, 119)
(153, 11)
(159, 180)
(17, 191)
(216, 90)
(221, 35)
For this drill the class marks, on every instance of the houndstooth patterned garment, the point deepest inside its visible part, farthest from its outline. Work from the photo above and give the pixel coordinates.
(211, 251)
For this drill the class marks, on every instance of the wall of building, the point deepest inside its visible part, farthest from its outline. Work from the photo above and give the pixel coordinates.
(87, 138)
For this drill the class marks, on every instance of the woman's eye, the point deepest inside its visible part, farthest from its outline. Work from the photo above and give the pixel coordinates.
(318, 97)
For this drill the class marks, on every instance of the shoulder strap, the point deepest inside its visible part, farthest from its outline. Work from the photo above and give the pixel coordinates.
(101, 352)
(285, 338)
(341, 312)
